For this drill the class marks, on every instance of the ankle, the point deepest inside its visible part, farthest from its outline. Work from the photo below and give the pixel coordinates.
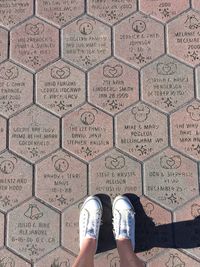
(89, 246)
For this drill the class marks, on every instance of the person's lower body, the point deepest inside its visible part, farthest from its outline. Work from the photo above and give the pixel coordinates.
(124, 229)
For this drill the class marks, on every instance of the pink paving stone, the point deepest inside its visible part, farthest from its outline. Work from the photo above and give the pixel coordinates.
(159, 216)
(86, 42)
(173, 172)
(141, 131)
(2, 133)
(60, 87)
(59, 12)
(136, 40)
(113, 86)
(196, 4)
(15, 11)
(115, 174)
(70, 227)
(16, 85)
(61, 180)
(188, 227)
(173, 258)
(34, 133)
(109, 258)
(9, 259)
(34, 44)
(57, 258)
(167, 83)
(111, 11)
(183, 37)
(87, 132)
(16, 181)
(2, 225)
(163, 10)
(3, 44)
(185, 130)
(33, 230)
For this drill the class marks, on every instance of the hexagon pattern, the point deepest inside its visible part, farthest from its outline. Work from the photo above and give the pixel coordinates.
(99, 97)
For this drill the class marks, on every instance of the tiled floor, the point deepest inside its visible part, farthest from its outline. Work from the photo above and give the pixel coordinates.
(99, 96)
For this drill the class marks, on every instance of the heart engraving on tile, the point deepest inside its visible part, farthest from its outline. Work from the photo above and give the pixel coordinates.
(166, 68)
(114, 163)
(34, 29)
(9, 73)
(60, 73)
(170, 162)
(112, 72)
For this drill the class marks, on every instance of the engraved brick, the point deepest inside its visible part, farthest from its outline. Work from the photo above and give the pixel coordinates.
(136, 40)
(34, 133)
(16, 85)
(15, 11)
(173, 258)
(2, 133)
(33, 230)
(167, 84)
(163, 10)
(141, 131)
(59, 12)
(8, 258)
(61, 180)
(185, 130)
(87, 132)
(115, 174)
(60, 87)
(183, 37)
(70, 227)
(34, 44)
(147, 233)
(2, 225)
(86, 42)
(170, 179)
(57, 258)
(3, 44)
(111, 11)
(15, 181)
(113, 86)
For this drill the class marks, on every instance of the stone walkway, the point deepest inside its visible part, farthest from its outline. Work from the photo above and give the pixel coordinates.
(99, 97)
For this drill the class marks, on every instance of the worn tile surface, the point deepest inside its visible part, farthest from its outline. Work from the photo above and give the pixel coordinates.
(99, 97)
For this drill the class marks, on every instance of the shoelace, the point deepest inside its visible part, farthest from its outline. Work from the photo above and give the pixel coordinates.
(91, 223)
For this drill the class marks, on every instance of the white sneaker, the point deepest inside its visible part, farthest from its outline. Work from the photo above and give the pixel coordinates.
(90, 219)
(124, 219)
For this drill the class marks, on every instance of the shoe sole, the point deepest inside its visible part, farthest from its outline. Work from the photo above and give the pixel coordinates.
(124, 198)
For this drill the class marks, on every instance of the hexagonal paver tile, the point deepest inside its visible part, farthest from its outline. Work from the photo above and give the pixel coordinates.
(57, 258)
(111, 11)
(3, 44)
(115, 174)
(16, 88)
(60, 87)
(183, 37)
(113, 86)
(187, 227)
(141, 131)
(185, 130)
(87, 132)
(163, 10)
(150, 219)
(167, 83)
(86, 42)
(136, 40)
(2, 229)
(15, 181)
(10, 259)
(34, 133)
(59, 12)
(34, 44)
(173, 258)
(15, 11)
(33, 230)
(70, 227)
(196, 4)
(2, 133)
(61, 180)
(109, 258)
(171, 179)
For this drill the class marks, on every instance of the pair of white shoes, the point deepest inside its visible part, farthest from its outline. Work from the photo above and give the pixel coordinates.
(123, 219)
